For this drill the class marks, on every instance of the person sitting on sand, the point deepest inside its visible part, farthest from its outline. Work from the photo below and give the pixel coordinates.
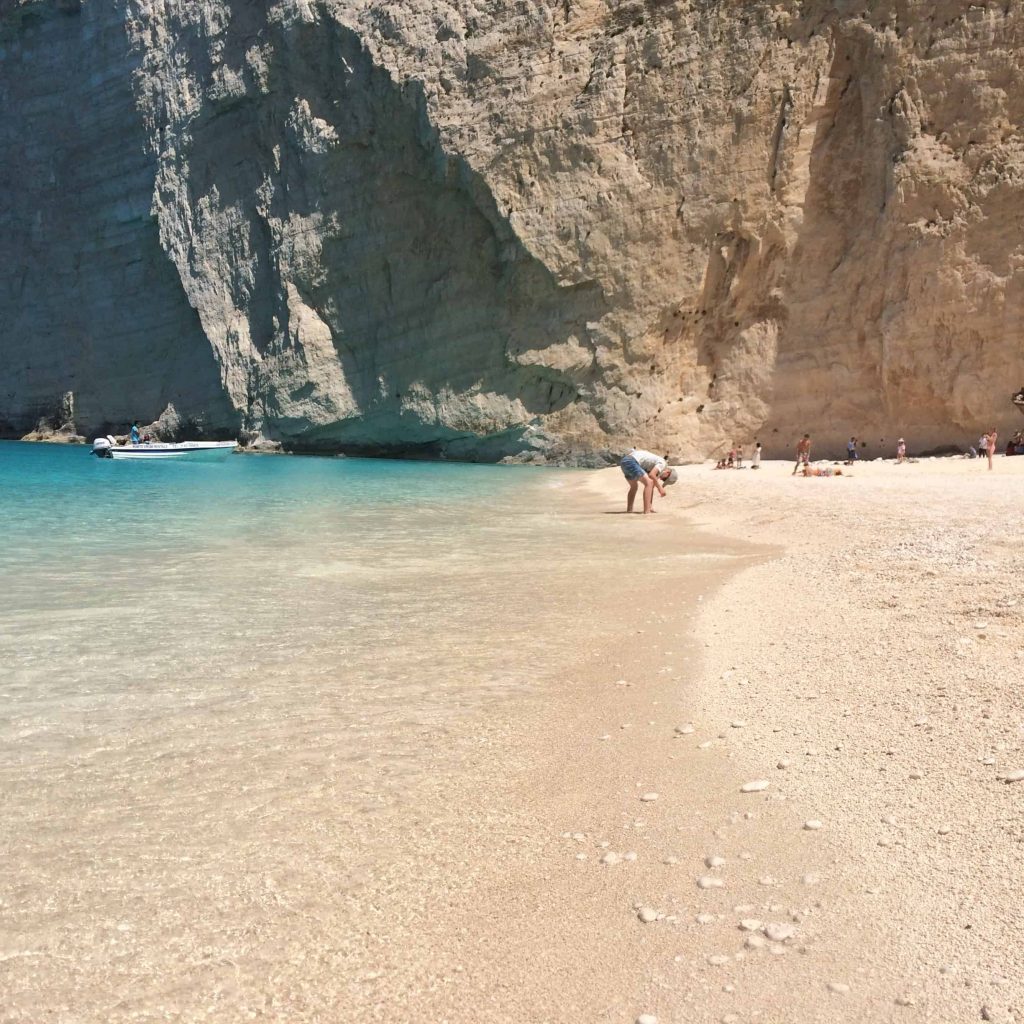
(810, 470)
(803, 453)
(652, 469)
(1018, 399)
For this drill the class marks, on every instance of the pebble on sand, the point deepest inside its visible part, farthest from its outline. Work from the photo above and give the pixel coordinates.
(751, 924)
(756, 786)
(684, 730)
(647, 1018)
(610, 858)
(811, 878)
(1015, 776)
(755, 941)
(649, 797)
(812, 825)
(706, 919)
(714, 862)
(839, 987)
(709, 882)
(784, 764)
(647, 914)
(780, 931)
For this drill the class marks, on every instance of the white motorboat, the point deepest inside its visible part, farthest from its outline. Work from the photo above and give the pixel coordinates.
(189, 451)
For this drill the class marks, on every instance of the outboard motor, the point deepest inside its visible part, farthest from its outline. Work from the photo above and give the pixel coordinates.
(101, 447)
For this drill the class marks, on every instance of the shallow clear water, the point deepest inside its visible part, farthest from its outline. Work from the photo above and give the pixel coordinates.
(236, 701)
(132, 591)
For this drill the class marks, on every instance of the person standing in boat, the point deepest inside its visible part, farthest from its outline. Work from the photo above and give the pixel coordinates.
(134, 433)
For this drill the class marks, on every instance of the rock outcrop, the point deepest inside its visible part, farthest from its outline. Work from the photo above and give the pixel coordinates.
(541, 229)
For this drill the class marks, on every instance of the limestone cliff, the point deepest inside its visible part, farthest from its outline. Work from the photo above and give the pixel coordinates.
(489, 228)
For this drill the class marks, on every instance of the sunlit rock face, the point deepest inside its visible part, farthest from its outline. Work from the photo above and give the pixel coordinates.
(531, 229)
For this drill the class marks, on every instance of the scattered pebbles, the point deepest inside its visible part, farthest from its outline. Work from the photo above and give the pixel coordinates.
(709, 882)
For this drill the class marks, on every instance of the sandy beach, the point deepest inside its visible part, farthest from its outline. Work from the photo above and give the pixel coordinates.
(857, 657)
(868, 672)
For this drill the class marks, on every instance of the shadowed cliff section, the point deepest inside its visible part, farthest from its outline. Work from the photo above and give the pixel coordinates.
(89, 302)
(358, 283)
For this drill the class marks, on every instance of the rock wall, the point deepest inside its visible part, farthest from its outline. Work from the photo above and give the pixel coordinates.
(540, 228)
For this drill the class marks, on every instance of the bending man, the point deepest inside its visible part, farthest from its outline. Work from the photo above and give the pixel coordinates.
(639, 465)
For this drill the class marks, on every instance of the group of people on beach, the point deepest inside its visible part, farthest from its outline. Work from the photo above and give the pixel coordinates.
(734, 458)
(640, 466)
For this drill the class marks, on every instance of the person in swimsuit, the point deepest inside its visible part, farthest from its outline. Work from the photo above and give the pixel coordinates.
(990, 448)
(803, 453)
(901, 451)
(653, 470)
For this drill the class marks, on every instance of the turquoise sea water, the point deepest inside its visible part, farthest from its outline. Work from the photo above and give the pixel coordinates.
(131, 589)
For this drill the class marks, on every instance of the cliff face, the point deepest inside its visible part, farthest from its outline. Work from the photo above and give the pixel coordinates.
(490, 228)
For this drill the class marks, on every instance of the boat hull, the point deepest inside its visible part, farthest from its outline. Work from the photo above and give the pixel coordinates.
(189, 451)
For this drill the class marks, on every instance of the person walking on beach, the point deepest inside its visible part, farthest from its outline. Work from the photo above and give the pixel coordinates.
(739, 456)
(851, 451)
(901, 451)
(755, 462)
(990, 445)
(640, 465)
(803, 453)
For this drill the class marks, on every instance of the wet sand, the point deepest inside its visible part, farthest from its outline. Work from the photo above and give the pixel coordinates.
(852, 630)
